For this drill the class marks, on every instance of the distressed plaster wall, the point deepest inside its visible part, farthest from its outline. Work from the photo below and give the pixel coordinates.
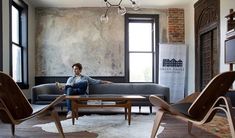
(67, 36)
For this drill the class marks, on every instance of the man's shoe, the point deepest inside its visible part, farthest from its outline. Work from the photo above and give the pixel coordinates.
(69, 114)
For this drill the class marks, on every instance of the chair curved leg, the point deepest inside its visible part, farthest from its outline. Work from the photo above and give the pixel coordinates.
(157, 121)
(230, 116)
(190, 124)
(13, 129)
(57, 122)
(231, 125)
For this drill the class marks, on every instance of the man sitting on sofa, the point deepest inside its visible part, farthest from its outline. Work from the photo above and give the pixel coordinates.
(77, 85)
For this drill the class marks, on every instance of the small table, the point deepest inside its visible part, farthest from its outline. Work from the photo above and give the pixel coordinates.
(100, 101)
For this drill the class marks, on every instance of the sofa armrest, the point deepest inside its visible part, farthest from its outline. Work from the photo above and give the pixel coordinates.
(49, 88)
(33, 95)
(165, 91)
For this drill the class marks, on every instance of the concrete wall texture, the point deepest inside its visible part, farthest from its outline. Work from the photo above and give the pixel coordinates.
(66, 36)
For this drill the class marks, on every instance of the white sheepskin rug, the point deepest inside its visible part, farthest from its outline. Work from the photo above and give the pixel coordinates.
(108, 126)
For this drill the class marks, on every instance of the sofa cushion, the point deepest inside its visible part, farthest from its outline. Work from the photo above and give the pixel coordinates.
(47, 97)
(143, 89)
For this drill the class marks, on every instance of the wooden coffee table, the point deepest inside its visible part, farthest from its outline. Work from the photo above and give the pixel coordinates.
(100, 101)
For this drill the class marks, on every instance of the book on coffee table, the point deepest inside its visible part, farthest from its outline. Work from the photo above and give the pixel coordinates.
(94, 102)
(108, 103)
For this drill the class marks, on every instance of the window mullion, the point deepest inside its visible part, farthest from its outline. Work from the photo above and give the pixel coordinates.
(140, 51)
(16, 44)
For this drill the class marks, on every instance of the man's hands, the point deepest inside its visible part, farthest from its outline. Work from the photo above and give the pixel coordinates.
(60, 86)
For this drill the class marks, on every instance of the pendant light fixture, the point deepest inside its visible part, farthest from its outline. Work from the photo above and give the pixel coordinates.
(121, 9)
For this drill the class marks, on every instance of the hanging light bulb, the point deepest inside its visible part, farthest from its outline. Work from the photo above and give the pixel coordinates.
(104, 18)
(121, 10)
(135, 5)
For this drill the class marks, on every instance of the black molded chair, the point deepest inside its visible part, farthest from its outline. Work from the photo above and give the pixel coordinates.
(15, 108)
(199, 108)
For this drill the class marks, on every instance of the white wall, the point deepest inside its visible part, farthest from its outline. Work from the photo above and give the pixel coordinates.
(5, 29)
(31, 47)
(190, 42)
(225, 6)
(31, 41)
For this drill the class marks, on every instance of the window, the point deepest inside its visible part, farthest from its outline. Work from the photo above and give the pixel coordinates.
(141, 47)
(18, 43)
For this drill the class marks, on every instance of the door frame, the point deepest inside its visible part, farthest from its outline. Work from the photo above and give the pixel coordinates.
(204, 7)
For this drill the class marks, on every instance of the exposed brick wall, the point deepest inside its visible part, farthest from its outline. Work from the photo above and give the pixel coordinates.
(176, 25)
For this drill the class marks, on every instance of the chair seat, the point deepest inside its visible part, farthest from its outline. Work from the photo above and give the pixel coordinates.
(182, 108)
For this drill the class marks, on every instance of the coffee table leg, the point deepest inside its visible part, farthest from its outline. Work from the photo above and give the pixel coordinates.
(76, 108)
(73, 112)
(125, 112)
(129, 112)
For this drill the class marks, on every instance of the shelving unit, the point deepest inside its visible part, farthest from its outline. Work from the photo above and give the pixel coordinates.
(230, 40)
(230, 20)
(230, 49)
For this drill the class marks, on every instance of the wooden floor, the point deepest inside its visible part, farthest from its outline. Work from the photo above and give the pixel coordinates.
(173, 128)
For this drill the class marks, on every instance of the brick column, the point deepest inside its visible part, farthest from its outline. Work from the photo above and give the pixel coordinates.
(176, 25)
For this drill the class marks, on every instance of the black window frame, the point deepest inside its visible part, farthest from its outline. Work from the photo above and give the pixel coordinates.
(23, 39)
(154, 19)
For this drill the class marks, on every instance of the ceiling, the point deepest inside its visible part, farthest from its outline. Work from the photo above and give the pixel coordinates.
(100, 3)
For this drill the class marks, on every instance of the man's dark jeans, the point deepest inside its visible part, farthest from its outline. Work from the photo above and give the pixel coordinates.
(76, 89)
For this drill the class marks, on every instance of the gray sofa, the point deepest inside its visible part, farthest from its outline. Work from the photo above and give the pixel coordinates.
(45, 93)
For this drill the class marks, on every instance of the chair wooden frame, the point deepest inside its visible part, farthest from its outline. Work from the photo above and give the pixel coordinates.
(9, 116)
(204, 111)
